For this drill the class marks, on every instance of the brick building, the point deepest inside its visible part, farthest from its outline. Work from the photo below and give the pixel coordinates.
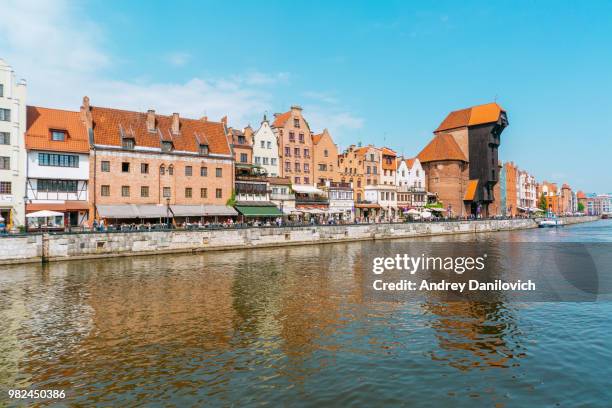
(325, 158)
(145, 165)
(361, 166)
(510, 192)
(295, 146)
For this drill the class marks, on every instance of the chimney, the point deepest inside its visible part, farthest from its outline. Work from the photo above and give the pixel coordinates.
(204, 118)
(86, 114)
(175, 124)
(151, 120)
(295, 109)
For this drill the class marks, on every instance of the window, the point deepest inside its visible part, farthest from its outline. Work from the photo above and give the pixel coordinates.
(368, 170)
(306, 180)
(359, 183)
(257, 160)
(5, 115)
(291, 137)
(273, 161)
(269, 145)
(241, 140)
(105, 190)
(297, 180)
(5, 138)
(170, 170)
(219, 172)
(144, 191)
(167, 192)
(58, 135)
(144, 168)
(219, 193)
(374, 169)
(322, 167)
(263, 144)
(58, 160)
(5, 187)
(297, 167)
(306, 153)
(203, 149)
(287, 151)
(188, 192)
(125, 191)
(128, 143)
(5, 163)
(1, 90)
(296, 152)
(203, 193)
(296, 122)
(244, 158)
(266, 160)
(325, 153)
(287, 166)
(188, 171)
(105, 166)
(125, 167)
(166, 146)
(162, 170)
(204, 171)
(301, 138)
(63, 186)
(306, 167)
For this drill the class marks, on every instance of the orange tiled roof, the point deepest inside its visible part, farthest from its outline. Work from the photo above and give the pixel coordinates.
(281, 119)
(410, 162)
(40, 122)
(442, 147)
(317, 138)
(580, 194)
(476, 115)
(108, 122)
(388, 152)
(471, 190)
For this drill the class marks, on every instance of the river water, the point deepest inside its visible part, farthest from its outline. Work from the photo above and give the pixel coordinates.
(291, 326)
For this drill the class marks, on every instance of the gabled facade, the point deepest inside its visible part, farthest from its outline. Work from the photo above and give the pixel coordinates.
(361, 166)
(265, 149)
(388, 166)
(12, 148)
(410, 180)
(295, 146)
(325, 158)
(58, 164)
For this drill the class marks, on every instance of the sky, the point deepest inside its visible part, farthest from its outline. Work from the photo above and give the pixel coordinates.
(385, 73)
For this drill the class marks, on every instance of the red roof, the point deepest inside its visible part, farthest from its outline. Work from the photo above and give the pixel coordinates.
(40, 123)
(442, 147)
(476, 115)
(281, 119)
(108, 124)
(580, 194)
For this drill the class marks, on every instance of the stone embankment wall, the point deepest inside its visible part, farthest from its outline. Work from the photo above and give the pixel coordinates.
(54, 247)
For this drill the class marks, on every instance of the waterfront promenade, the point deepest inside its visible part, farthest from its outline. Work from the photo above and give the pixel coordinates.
(88, 245)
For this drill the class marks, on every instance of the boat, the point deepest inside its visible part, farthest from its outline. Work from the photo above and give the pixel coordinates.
(550, 222)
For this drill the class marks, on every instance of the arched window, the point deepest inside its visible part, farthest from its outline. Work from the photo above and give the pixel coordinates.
(171, 170)
(162, 170)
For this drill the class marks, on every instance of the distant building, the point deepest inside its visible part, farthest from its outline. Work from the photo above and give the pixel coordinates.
(265, 149)
(389, 166)
(510, 189)
(410, 181)
(282, 195)
(341, 201)
(476, 131)
(12, 147)
(385, 197)
(361, 166)
(598, 204)
(295, 146)
(58, 165)
(325, 158)
(528, 198)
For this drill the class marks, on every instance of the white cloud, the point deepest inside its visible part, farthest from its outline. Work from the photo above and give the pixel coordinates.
(178, 59)
(62, 55)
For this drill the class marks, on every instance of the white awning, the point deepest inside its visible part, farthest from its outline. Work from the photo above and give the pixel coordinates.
(44, 214)
(202, 210)
(133, 211)
(306, 189)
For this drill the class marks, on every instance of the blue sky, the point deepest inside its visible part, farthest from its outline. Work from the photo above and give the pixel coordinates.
(382, 73)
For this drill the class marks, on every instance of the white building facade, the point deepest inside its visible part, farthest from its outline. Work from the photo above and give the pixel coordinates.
(526, 191)
(12, 148)
(265, 149)
(384, 196)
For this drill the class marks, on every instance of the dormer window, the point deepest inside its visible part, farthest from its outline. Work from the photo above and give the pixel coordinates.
(203, 149)
(166, 146)
(128, 143)
(241, 140)
(58, 135)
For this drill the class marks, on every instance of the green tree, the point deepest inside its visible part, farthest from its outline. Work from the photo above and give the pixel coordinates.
(580, 207)
(542, 204)
(232, 200)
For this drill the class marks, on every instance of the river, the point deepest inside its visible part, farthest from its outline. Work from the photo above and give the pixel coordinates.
(291, 326)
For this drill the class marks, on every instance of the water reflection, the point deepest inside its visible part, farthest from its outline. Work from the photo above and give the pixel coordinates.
(267, 325)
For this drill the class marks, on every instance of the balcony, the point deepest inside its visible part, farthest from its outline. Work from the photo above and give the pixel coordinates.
(411, 189)
(302, 199)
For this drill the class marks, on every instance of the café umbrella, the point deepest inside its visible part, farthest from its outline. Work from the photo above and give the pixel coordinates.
(46, 214)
